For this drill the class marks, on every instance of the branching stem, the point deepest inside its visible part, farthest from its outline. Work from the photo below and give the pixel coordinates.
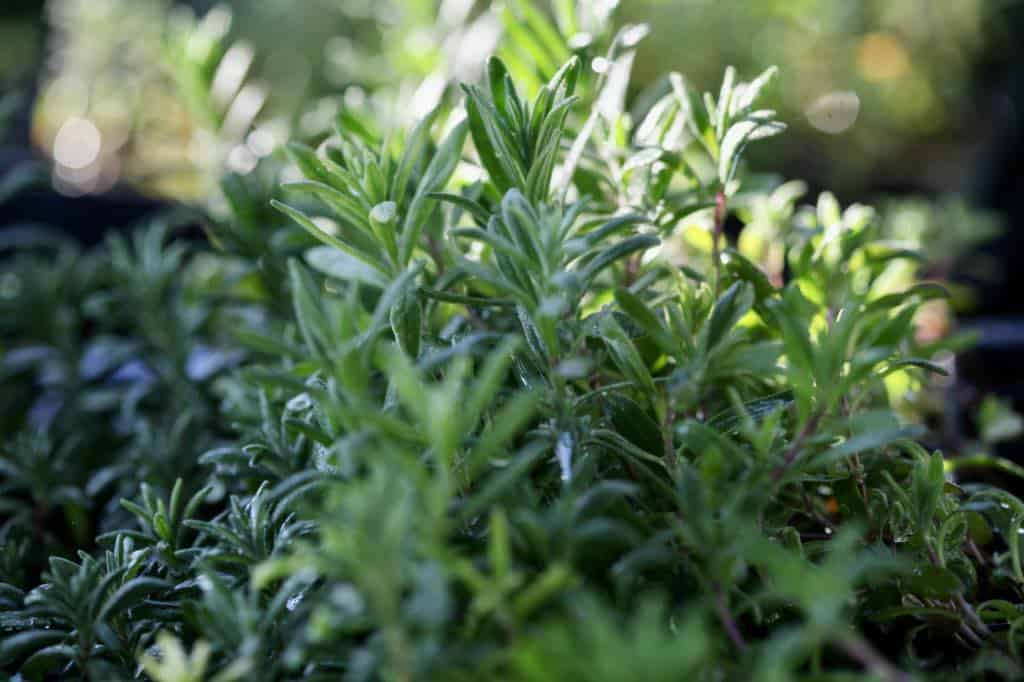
(795, 447)
(728, 622)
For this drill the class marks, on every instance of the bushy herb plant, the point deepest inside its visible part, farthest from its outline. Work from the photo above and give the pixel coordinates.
(545, 388)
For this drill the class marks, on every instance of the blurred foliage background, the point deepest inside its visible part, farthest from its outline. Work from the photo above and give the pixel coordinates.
(881, 95)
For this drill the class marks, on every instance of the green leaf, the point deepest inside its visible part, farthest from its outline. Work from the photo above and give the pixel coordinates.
(22, 644)
(646, 319)
(311, 319)
(306, 159)
(932, 582)
(724, 104)
(729, 309)
(864, 442)
(625, 355)
(436, 176)
(262, 343)
(919, 363)
(129, 595)
(479, 213)
(998, 422)
(926, 487)
(922, 291)
(412, 156)
(354, 227)
(500, 482)
(45, 659)
(617, 252)
(757, 126)
(506, 425)
(747, 94)
(605, 229)
(546, 34)
(307, 224)
(492, 143)
(403, 286)
(986, 461)
(745, 269)
(406, 322)
(341, 265)
(634, 423)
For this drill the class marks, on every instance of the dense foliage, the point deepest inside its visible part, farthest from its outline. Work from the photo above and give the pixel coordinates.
(537, 390)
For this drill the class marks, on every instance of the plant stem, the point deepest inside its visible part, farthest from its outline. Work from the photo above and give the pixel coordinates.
(666, 433)
(795, 447)
(632, 267)
(969, 613)
(716, 249)
(728, 622)
(436, 254)
(860, 650)
(973, 548)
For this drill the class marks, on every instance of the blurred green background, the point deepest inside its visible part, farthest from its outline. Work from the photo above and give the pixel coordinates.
(893, 96)
(902, 79)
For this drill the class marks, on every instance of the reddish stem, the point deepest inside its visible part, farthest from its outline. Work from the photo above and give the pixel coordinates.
(795, 448)
(728, 622)
(716, 253)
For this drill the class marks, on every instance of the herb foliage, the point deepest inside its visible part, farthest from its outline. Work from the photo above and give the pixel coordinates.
(498, 397)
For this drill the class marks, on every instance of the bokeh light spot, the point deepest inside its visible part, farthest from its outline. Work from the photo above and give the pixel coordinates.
(882, 57)
(78, 143)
